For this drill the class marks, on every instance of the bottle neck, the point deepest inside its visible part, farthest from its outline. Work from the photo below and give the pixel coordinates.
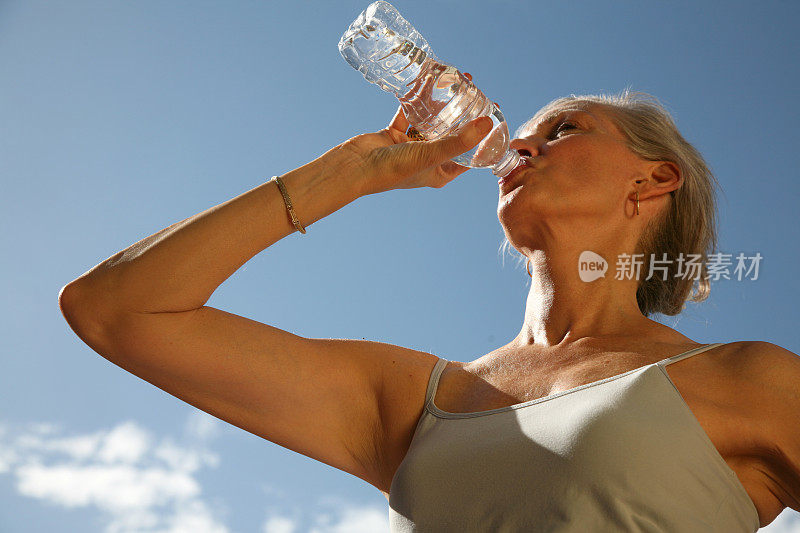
(507, 163)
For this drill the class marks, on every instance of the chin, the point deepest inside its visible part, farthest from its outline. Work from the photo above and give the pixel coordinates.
(518, 208)
(516, 230)
(519, 221)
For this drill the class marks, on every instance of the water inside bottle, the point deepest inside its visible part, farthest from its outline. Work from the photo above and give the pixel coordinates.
(437, 99)
(441, 101)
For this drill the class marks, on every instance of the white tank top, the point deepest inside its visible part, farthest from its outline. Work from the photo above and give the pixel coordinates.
(621, 454)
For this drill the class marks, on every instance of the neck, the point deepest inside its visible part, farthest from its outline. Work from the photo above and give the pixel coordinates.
(561, 308)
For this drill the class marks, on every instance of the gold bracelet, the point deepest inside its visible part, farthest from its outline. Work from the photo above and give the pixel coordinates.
(288, 203)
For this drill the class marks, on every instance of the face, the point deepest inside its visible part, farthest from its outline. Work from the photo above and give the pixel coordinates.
(580, 176)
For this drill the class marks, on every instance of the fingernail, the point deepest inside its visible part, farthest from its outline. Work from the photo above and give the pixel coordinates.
(484, 125)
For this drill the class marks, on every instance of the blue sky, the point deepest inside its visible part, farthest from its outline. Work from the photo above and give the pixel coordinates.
(120, 118)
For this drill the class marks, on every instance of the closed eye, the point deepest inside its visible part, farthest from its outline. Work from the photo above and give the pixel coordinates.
(561, 127)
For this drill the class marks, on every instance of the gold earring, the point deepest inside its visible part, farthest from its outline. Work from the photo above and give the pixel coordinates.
(527, 267)
(637, 202)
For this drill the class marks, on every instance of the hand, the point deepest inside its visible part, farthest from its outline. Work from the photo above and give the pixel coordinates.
(389, 160)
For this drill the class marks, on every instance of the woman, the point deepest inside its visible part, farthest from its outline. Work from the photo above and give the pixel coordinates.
(573, 425)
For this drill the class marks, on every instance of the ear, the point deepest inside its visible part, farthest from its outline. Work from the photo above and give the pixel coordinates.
(662, 177)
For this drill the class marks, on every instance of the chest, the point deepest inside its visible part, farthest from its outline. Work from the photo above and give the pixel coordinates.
(713, 401)
(585, 458)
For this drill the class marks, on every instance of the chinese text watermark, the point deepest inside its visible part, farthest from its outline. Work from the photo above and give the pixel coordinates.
(592, 266)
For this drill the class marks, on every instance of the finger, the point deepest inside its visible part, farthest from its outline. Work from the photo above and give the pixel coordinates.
(453, 169)
(438, 151)
(400, 122)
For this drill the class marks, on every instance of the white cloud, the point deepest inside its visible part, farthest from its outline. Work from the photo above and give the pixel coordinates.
(355, 520)
(332, 515)
(45, 428)
(139, 486)
(786, 522)
(7, 458)
(202, 427)
(193, 516)
(130, 522)
(126, 443)
(114, 489)
(183, 459)
(79, 448)
(279, 524)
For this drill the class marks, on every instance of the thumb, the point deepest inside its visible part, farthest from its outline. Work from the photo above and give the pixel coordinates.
(453, 145)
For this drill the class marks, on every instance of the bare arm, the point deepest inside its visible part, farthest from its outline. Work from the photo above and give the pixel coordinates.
(342, 402)
(179, 267)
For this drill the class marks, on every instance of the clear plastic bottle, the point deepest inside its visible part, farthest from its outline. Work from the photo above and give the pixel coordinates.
(437, 99)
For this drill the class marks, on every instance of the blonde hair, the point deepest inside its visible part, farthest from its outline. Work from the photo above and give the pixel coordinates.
(688, 224)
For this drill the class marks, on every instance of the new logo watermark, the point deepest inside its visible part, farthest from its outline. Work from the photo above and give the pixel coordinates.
(592, 266)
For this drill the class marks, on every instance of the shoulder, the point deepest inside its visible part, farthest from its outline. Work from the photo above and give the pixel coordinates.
(762, 360)
(754, 359)
(777, 354)
(762, 375)
(775, 371)
(769, 376)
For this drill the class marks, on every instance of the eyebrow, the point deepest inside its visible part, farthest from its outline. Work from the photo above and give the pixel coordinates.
(551, 116)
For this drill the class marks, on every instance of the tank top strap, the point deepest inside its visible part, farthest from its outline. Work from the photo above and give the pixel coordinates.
(684, 355)
(433, 381)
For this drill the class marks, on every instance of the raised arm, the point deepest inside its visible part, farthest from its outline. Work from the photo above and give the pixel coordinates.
(335, 400)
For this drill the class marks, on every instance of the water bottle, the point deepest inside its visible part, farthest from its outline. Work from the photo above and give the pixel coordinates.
(437, 99)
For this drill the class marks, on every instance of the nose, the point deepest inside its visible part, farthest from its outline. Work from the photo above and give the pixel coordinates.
(526, 146)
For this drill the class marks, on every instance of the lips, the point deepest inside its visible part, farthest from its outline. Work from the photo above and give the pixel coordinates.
(508, 183)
